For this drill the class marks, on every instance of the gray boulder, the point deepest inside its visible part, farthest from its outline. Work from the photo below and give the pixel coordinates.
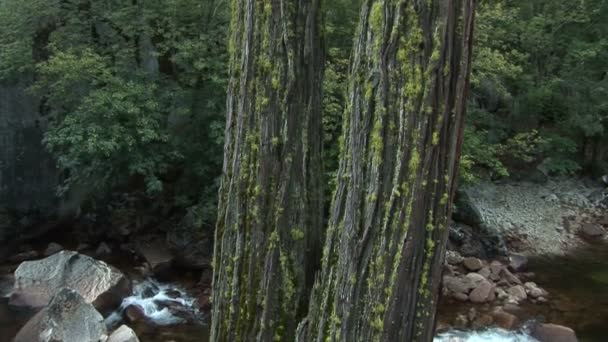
(123, 334)
(554, 333)
(36, 282)
(67, 318)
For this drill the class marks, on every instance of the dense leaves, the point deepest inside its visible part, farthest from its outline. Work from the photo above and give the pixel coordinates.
(134, 90)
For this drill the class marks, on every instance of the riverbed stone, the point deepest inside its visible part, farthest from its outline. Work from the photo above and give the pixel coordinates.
(592, 231)
(36, 282)
(52, 248)
(453, 258)
(534, 291)
(68, 317)
(554, 333)
(472, 264)
(123, 334)
(510, 278)
(482, 292)
(505, 320)
(517, 293)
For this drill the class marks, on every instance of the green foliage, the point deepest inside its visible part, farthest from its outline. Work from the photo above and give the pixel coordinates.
(134, 90)
(538, 87)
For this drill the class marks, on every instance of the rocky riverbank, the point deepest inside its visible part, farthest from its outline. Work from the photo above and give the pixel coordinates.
(487, 282)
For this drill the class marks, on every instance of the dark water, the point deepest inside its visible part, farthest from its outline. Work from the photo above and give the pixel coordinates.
(578, 293)
(578, 285)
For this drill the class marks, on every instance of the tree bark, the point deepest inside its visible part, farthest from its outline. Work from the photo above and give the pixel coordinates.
(269, 229)
(403, 132)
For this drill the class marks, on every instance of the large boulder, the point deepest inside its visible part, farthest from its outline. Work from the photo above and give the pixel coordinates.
(465, 210)
(190, 242)
(67, 318)
(123, 334)
(554, 333)
(36, 282)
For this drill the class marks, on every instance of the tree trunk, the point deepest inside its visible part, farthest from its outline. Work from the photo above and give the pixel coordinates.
(269, 229)
(402, 141)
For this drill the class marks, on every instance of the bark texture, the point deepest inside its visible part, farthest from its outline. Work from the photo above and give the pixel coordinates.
(269, 229)
(402, 141)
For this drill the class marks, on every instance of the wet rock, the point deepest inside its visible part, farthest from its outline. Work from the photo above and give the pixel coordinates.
(461, 321)
(592, 231)
(23, 256)
(518, 262)
(52, 248)
(203, 302)
(67, 318)
(473, 264)
(481, 293)
(482, 321)
(501, 294)
(157, 255)
(123, 334)
(517, 293)
(554, 333)
(36, 282)
(505, 320)
(135, 313)
(103, 249)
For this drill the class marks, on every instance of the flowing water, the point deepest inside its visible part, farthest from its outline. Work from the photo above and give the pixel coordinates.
(488, 335)
(578, 287)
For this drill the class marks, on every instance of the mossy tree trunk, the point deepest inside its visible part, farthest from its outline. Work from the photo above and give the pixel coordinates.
(402, 140)
(269, 229)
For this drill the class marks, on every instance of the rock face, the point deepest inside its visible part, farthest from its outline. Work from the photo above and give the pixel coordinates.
(28, 176)
(67, 318)
(554, 333)
(123, 334)
(36, 282)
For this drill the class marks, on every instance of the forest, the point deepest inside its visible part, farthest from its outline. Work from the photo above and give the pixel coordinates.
(303, 170)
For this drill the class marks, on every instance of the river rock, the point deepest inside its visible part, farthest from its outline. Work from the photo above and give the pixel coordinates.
(534, 291)
(52, 248)
(505, 320)
(67, 318)
(482, 293)
(457, 285)
(473, 264)
(453, 258)
(36, 282)
(518, 262)
(592, 231)
(482, 321)
(517, 293)
(123, 334)
(554, 333)
(135, 313)
(510, 278)
(156, 254)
